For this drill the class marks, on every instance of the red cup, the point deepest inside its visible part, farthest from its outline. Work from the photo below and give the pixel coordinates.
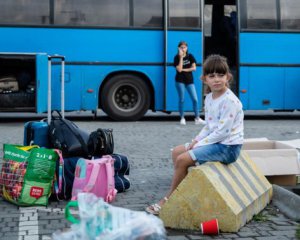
(210, 227)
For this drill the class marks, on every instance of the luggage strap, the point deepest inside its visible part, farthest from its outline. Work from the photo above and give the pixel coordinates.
(58, 182)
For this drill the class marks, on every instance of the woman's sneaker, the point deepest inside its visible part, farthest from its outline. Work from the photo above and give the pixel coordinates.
(182, 121)
(199, 121)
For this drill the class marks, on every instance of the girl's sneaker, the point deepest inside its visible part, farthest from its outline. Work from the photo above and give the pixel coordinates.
(182, 121)
(199, 121)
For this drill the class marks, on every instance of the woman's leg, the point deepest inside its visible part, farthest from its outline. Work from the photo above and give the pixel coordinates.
(193, 94)
(180, 89)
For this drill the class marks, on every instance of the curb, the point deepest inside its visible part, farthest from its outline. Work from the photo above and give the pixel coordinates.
(287, 202)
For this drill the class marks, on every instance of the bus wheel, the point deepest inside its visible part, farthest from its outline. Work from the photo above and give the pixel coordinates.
(125, 97)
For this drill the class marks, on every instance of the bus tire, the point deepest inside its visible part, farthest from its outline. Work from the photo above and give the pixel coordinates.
(125, 97)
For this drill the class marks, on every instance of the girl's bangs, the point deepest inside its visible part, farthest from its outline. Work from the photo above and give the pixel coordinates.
(215, 66)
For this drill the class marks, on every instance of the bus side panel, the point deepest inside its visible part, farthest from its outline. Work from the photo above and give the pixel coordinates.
(265, 88)
(41, 82)
(194, 41)
(292, 88)
(83, 82)
(269, 48)
(244, 87)
(94, 76)
(88, 45)
(73, 88)
(272, 60)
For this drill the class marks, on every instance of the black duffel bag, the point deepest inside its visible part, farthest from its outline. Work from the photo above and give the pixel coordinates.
(68, 137)
(101, 142)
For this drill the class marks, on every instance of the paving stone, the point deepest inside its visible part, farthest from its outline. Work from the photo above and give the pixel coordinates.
(31, 237)
(273, 238)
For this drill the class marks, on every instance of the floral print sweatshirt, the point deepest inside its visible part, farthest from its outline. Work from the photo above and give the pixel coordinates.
(224, 118)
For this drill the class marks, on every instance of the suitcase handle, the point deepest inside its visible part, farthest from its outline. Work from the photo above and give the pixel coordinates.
(62, 58)
(56, 56)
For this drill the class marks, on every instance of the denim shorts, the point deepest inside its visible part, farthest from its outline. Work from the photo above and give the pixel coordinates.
(216, 152)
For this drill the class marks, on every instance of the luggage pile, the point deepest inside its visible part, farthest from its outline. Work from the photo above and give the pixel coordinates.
(60, 160)
(17, 90)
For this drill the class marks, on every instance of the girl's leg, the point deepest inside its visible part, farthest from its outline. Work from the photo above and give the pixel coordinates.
(177, 151)
(180, 89)
(182, 163)
(193, 94)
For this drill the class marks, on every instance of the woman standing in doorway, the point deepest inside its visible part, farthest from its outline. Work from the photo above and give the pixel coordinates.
(185, 64)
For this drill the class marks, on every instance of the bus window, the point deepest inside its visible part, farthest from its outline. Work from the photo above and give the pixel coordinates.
(148, 13)
(92, 12)
(25, 12)
(208, 20)
(184, 14)
(258, 14)
(290, 14)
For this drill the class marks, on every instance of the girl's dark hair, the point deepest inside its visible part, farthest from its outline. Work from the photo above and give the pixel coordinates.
(215, 64)
(182, 43)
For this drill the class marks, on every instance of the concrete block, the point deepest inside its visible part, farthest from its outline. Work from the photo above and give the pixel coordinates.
(231, 193)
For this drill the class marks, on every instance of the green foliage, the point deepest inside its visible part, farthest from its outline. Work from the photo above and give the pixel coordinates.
(298, 232)
(260, 217)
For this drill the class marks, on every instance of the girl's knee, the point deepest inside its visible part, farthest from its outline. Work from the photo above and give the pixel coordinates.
(178, 150)
(183, 161)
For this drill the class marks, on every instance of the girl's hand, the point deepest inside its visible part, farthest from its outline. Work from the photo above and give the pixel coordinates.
(190, 147)
(180, 52)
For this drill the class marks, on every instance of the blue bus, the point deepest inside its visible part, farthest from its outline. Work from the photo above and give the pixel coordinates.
(119, 54)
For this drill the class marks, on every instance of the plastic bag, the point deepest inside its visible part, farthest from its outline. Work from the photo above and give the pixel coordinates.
(27, 174)
(101, 221)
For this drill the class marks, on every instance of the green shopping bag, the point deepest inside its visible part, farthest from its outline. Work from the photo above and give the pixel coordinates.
(27, 174)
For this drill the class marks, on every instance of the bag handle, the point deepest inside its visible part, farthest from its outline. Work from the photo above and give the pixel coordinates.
(27, 148)
(68, 214)
(110, 185)
(58, 182)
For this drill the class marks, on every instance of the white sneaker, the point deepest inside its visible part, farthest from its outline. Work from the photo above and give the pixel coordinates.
(199, 121)
(182, 121)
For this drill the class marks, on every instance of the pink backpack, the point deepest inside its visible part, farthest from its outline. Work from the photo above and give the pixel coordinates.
(95, 176)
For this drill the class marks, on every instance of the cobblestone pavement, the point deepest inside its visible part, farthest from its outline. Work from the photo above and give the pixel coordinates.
(147, 144)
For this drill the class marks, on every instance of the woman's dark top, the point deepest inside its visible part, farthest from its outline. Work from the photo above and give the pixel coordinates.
(185, 77)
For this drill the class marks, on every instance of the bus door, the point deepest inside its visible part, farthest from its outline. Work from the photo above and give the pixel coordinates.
(220, 33)
(183, 23)
(269, 54)
(41, 82)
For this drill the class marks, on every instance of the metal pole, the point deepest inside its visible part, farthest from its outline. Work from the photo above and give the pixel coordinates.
(49, 91)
